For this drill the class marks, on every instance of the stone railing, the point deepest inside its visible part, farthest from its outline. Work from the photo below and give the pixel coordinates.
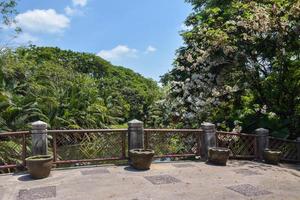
(94, 145)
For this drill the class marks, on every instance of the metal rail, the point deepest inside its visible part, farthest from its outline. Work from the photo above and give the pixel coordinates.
(21, 135)
(87, 131)
(189, 137)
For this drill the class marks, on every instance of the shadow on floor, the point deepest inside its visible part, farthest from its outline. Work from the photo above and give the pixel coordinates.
(214, 164)
(131, 169)
(25, 178)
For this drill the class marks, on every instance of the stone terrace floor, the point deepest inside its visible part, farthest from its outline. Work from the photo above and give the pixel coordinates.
(174, 180)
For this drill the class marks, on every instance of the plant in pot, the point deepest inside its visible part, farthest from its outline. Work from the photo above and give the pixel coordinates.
(272, 156)
(39, 166)
(141, 158)
(218, 155)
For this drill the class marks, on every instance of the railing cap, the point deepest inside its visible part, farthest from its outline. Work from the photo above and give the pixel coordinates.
(262, 131)
(207, 124)
(135, 121)
(39, 125)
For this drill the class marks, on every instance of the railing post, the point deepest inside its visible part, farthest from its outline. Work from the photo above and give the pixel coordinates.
(123, 137)
(198, 137)
(135, 134)
(24, 149)
(39, 138)
(54, 147)
(262, 142)
(146, 142)
(208, 138)
(298, 149)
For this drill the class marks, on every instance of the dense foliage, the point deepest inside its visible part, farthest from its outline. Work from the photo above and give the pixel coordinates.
(239, 67)
(69, 90)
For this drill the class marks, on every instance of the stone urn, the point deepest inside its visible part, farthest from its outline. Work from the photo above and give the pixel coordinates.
(218, 155)
(272, 156)
(39, 166)
(141, 158)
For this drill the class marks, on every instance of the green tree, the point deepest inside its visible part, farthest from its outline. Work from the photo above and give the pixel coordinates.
(69, 90)
(119, 87)
(239, 66)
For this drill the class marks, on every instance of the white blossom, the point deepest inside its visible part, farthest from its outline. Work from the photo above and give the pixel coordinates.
(264, 109)
(190, 58)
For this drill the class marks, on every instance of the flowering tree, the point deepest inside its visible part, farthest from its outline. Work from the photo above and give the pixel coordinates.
(240, 59)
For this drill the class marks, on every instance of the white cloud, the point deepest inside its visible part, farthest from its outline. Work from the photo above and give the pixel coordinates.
(42, 21)
(118, 52)
(150, 49)
(81, 3)
(72, 11)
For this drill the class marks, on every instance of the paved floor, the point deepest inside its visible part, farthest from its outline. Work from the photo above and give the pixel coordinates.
(180, 180)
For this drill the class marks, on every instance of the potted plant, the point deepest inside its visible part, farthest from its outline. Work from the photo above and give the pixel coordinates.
(272, 156)
(141, 158)
(218, 155)
(39, 166)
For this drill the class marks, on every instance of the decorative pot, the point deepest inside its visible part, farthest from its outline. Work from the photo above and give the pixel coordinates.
(141, 158)
(39, 166)
(272, 156)
(218, 155)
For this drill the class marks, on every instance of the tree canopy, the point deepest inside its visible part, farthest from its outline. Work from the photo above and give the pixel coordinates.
(239, 66)
(67, 89)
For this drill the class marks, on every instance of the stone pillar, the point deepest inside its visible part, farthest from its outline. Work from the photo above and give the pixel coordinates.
(39, 138)
(298, 149)
(208, 138)
(135, 134)
(262, 142)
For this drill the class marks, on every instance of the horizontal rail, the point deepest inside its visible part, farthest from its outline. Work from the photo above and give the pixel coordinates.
(173, 130)
(64, 131)
(174, 155)
(88, 160)
(88, 131)
(17, 133)
(8, 166)
(284, 140)
(235, 133)
(243, 156)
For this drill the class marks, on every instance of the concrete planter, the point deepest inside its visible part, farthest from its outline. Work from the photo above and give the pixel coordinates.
(272, 156)
(39, 166)
(218, 155)
(141, 158)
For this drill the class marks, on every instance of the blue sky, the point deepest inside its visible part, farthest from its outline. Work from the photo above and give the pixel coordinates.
(139, 34)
